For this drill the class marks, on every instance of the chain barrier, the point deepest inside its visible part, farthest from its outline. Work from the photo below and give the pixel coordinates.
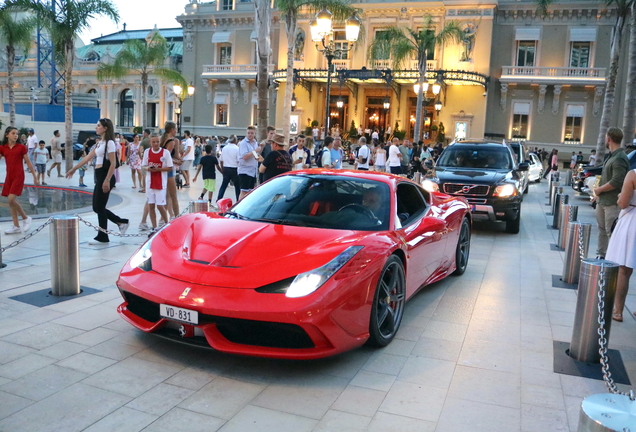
(581, 246)
(602, 340)
(26, 237)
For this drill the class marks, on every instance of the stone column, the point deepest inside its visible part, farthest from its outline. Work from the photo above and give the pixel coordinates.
(138, 105)
(1, 98)
(161, 115)
(110, 104)
(103, 101)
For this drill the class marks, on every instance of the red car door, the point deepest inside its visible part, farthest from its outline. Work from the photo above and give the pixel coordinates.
(423, 233)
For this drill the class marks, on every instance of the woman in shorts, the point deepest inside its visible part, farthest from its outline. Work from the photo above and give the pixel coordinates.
(15, 154)
(171, 144)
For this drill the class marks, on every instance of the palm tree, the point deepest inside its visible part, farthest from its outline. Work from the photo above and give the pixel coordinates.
(16, 34)
(263, 16)
(65, 21)
(629, 113)
(143, 58)
(289, 10)
(404, 44)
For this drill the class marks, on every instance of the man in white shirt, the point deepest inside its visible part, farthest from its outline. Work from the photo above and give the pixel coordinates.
(375, 137)
(363, 155)
(229, 165)
(316, 133)
(395, 157)
(249, 157)
(32, 144)
(187, 157)
(301, 156)
(326, 155)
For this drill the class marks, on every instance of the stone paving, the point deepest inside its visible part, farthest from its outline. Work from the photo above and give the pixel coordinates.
(474, 353)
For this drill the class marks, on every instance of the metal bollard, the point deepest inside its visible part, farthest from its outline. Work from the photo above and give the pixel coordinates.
(568, 177)
(557, 191)
(417, 178)
(2, 265)
(572, 263)
(199, 206)
(560, 200)
(552, 192)
(569, 213)
(65, 255)
(606, 412)
(585, 346)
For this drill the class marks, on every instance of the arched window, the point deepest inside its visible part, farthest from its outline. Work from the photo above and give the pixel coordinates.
(126, 109)
(92, 91)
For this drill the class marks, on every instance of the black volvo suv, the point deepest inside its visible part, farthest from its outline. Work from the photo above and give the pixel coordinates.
(487, 175)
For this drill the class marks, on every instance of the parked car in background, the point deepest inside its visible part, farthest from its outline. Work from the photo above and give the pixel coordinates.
(535, 168)
(487, 174)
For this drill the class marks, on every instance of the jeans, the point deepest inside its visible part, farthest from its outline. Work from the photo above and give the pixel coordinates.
(230, 174)
(605, 217)
(100, 199)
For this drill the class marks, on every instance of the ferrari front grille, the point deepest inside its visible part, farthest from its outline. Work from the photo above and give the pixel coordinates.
(466, 189)
(141, 307)
(263, 333)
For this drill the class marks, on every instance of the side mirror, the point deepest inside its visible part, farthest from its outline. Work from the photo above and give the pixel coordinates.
(224, 204)
(523, 166)
(433, 224)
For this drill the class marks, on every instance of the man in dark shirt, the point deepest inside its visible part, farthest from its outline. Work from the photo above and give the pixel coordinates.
(209, 164)
(266, 145)
(278, 161)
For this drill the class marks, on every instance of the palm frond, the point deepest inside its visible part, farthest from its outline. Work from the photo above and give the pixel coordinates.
(542, 7)
(172, 76)
(451, 32)
(110, 71)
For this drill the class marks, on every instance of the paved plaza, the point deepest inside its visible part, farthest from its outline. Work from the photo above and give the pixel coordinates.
(474, 353)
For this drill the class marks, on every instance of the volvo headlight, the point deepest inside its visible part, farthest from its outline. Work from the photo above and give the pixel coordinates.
(505, 191)
(142, 258)
(430, 186)
(308, 282)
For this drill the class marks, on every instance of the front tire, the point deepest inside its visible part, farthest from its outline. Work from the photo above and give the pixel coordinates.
(463, 249)
(388, 303)
(512, 226)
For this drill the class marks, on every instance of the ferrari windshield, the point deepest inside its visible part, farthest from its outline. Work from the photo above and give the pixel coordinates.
(319, 201)
(475, 156)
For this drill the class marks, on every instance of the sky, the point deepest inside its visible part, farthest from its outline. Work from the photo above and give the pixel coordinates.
(138, 14)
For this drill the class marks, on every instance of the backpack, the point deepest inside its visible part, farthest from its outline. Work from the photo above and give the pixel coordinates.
(318, 158)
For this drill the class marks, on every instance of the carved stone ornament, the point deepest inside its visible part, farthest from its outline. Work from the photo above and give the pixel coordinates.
(504, 96)
(598, 95)
(555, 99)
(208, 90)
(543, 88)
(246, 92)
(188, 37)
(234, 85)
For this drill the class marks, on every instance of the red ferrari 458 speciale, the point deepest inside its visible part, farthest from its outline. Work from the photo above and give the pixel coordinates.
(310, 264)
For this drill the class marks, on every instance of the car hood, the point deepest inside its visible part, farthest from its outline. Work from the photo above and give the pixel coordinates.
(468, 175)
(205, 248)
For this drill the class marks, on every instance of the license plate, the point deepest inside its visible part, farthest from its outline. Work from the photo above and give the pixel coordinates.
(179, 314)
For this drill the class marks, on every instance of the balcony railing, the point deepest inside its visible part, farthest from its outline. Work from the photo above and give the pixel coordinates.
(552, 74)
(342, 64)
(233, 69)
(411, 65)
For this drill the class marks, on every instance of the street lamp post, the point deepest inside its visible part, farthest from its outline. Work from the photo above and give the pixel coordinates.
(322, 31)
(181, 96)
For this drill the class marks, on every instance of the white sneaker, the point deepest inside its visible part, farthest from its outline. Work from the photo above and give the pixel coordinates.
(97, 242)
(13, 230)
(123, 227)
(26, 224)
(161, 224)
(144, 227)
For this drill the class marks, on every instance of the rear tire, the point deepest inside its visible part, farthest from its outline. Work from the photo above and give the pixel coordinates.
(388, 303)
(512, 226)
(463, 249)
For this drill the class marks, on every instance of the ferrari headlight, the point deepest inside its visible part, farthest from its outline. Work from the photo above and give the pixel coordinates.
(506, 190)
(141, 259)
(430, 186)
(308, 282)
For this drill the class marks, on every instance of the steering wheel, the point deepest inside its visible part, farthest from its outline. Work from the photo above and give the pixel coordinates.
(359, 208)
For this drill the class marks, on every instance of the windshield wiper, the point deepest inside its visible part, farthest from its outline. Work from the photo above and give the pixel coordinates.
(236, 215)
(280, 221)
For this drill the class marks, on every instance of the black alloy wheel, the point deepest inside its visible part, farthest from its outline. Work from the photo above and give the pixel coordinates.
(463, 248)
(388, 303)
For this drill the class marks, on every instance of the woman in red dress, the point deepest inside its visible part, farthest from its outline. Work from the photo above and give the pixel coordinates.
(15, 154)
